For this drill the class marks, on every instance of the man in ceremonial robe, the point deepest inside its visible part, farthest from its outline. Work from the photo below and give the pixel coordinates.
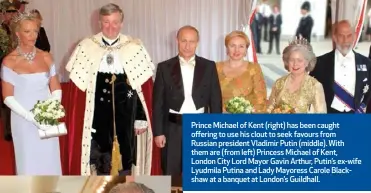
(98, 62)
(344, 74)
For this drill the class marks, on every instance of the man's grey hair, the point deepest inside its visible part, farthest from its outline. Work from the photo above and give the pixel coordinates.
(131, 187)
(110, 9)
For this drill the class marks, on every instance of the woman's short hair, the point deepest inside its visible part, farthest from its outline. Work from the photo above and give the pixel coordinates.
(234, 34)
(110, 9)
(131, 187)
(188, 27)
(302, 46)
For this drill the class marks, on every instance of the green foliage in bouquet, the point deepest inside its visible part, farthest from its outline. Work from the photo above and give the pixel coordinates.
(48, 112)
(239, 105)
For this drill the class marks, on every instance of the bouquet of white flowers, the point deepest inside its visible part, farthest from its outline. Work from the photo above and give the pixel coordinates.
(47, 115)
(238, 105)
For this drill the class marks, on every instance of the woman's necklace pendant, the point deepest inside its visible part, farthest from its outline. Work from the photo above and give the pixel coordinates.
(28, 56)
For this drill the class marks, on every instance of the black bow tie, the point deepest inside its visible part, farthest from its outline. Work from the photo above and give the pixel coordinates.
(107, 44)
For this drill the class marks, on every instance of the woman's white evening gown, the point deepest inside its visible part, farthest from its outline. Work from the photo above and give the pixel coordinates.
(33, 156)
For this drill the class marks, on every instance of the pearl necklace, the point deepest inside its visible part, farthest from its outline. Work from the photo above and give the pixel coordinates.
(30, 56)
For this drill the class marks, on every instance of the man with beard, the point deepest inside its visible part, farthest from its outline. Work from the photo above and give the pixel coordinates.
(344, 73)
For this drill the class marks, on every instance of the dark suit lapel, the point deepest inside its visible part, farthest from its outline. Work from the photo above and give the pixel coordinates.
(326, 75)
(198, 74)
(176, 74)
(359, 81)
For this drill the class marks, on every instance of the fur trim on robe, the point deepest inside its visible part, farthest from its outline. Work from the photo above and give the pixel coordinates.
(83, 67)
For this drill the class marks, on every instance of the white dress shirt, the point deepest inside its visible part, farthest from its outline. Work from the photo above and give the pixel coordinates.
(115, 67)
(275, 15)
(306, 15)
(187, 69)
(345, 76)
(265, 10)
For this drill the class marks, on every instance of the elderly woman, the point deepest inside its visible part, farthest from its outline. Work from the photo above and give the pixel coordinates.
(297, 89)
(240, 78)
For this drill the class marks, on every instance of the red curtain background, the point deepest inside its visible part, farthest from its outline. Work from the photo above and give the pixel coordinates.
(69, 144)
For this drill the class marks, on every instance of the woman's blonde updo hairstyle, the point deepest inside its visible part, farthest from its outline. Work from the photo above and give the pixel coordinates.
(239, 34)
(234, 34)
(17, 21)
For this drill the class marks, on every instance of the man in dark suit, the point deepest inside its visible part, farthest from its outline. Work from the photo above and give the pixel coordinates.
(369, 102)
(305, 27)
(184, 84)
(345, 74)
(256, 29)
(265, 11)
(275, 22)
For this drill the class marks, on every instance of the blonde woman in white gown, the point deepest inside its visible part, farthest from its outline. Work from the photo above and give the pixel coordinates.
(28, 75)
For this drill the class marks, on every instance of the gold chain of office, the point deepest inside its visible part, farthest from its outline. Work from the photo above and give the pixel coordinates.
(110, 48)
